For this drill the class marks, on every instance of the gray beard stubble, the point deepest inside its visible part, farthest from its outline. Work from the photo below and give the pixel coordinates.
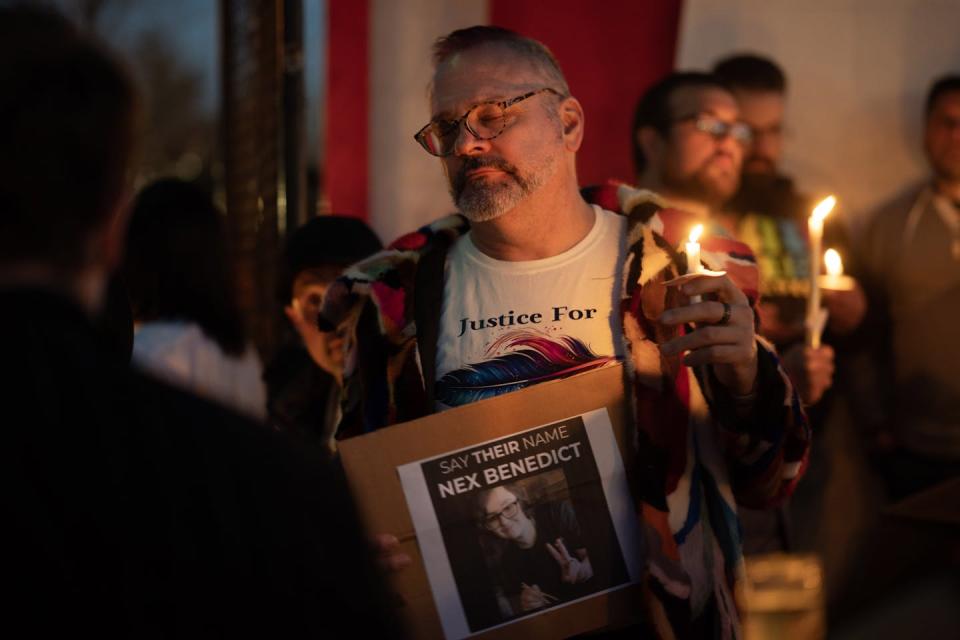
(482, 201)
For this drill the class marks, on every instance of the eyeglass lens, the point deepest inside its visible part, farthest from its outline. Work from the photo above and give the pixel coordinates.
(509, 512)
(484, 121)
(718, 129)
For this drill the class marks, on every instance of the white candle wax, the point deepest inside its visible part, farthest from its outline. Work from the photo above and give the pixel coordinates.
(815, 228)
(692, 249)
(693, 258)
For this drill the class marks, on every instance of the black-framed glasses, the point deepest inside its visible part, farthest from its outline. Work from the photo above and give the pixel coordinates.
(718, 129)
(510, 511)
(484, 121)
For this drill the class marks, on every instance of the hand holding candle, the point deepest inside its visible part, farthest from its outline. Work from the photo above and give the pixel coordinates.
(843, 297)
(724, 338)
(835, 280)
(816, 317)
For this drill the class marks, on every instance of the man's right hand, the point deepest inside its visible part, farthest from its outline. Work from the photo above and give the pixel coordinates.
(810, 370)
(389, 556)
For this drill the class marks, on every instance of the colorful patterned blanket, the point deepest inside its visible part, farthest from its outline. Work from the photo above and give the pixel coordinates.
(700, 452)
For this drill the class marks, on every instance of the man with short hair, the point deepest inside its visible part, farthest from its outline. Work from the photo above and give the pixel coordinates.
(760, 87)
(911, 259)
(132, 509)
(770, 215)
(529, 282)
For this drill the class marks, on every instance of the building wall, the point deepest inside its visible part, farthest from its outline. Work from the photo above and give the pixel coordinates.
(407, 187)
(858, 73)
(610, 54)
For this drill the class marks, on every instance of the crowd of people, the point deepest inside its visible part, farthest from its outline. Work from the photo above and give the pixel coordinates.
(166, 482)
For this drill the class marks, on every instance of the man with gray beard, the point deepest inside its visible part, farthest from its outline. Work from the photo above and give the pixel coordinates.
(482, 201)
(529, 283)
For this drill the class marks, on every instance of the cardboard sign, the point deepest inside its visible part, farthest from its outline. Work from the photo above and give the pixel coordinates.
(515, 510)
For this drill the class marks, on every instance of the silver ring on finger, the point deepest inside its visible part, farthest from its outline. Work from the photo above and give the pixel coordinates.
(725, 318)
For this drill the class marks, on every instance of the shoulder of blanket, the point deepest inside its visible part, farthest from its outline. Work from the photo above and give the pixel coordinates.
(404, 252)
(720, 251)
(641, 206)
(387, 277)
(620, 197)
(451, 226)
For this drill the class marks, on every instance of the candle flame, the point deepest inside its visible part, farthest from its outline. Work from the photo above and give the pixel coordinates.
(823, 209)
(696, 232)
(831, 259)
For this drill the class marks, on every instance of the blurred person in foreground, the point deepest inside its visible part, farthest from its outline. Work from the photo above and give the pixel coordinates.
(911, 259)
(529, 282)
(188, 328)
(305, 376)
(907, 568)
(131, 508)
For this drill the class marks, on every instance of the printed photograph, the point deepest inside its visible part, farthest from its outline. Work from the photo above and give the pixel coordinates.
(534, 548)
(525, 524)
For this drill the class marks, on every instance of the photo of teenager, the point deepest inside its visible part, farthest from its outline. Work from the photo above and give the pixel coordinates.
(534, 550)
(519, 526)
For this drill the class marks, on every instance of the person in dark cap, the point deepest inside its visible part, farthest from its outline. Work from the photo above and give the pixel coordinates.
(304, 378)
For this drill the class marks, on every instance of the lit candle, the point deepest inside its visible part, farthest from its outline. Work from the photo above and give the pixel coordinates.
(815, 320)
(835, 280)
(692, 250)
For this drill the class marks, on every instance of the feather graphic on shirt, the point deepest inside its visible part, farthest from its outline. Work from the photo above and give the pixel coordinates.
(525, 359)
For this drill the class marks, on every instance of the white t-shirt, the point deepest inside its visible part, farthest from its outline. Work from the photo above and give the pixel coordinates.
(508, 325)
(181, 354)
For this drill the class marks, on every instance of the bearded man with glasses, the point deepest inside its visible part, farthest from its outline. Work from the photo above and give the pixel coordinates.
(688, 142)
(529, 282)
